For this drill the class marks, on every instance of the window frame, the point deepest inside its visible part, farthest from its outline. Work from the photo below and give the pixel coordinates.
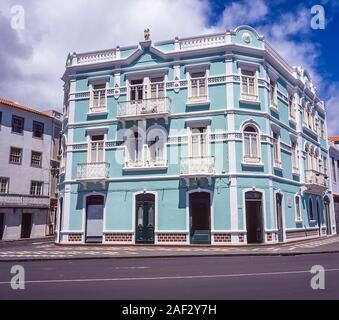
(42, 131)
(35, 165)
(298, 213)
(274, 94)
(204, 80)
(251, 158)
(35, 188)
(10, 155)
(15, 117)
(245, 95)
(7, 185)
(295, 157)
(292, 107)
(276, 153)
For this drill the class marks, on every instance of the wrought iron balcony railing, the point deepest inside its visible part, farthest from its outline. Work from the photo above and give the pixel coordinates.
(148, 108)
(197, 166)
(93, 171)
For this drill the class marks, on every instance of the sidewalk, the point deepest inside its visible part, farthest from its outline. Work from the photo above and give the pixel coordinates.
(47, 250)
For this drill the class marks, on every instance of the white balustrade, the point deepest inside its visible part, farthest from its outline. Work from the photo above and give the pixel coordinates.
(24, 200)
(92, 171)
(202, 42)
(145, 107)
(197, 166)
(98, 56)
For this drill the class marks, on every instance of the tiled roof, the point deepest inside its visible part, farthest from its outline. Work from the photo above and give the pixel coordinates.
(22, 107)
(333, 138)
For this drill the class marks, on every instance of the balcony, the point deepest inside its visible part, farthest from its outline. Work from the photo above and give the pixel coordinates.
(145, 108)
(148, 164)
(315, 180)
(93, 171)
(24, 201)
(197, 167)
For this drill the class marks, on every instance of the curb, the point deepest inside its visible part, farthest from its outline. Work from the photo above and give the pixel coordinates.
(265, 254)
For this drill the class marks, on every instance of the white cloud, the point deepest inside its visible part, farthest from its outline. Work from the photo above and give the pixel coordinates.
(56, 27)
(244, 12)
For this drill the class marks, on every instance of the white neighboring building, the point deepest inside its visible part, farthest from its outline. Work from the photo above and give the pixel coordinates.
(334, 169)
(29, 142)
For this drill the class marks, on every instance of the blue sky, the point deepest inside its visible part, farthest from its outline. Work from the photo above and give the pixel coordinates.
(32, 60)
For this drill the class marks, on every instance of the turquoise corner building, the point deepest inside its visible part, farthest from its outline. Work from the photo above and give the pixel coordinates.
(213, 139)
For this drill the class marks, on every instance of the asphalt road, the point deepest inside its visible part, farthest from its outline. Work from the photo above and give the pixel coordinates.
(265, 277)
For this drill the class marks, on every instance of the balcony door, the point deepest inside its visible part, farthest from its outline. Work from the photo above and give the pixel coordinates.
(145, 220)
(198, 142)
(2, 225)
(134, 148)
(94, 218)
(157, 88)
(136, 90)
(26, 225)
(200, 217)
(96, 149)
(280, 227)
(327, 215)
(254, 217)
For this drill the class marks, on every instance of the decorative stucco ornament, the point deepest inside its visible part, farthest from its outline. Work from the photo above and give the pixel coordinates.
(147, 34)
(246, 37)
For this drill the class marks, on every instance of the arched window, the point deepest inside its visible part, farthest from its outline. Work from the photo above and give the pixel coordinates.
(134, 149)
(251, 144)
(297, 209)
(319, 213)
(310, 208)
(156, 142)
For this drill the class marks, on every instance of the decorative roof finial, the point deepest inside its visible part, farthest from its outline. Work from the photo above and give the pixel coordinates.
(147, 34)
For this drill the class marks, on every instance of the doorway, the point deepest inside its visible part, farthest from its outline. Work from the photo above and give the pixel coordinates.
(145, 219)
(280, 226)
(2, 225)
(26, 225)
(200, 217)
(94, 219)
(254, 217)
(327, 215)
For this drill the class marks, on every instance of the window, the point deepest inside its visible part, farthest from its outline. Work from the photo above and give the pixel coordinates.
(198, 85)
(156, 150)
(248, 85)
(134, 149)
(273, 89)
(291, 106)
(295, 164)
(157, 88)
(4, 183)
(334, 176)
(251, 145)
(97, 149)
(276, 150)
(310, 208)
(297, 209)
(17, 124)
(198, 142)
(98, 97)
(15, 155)
(0, 119)
(36, 188)
(38, 129)
(36, 158)
(325, 165)
(322, 129)
(136, 90)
